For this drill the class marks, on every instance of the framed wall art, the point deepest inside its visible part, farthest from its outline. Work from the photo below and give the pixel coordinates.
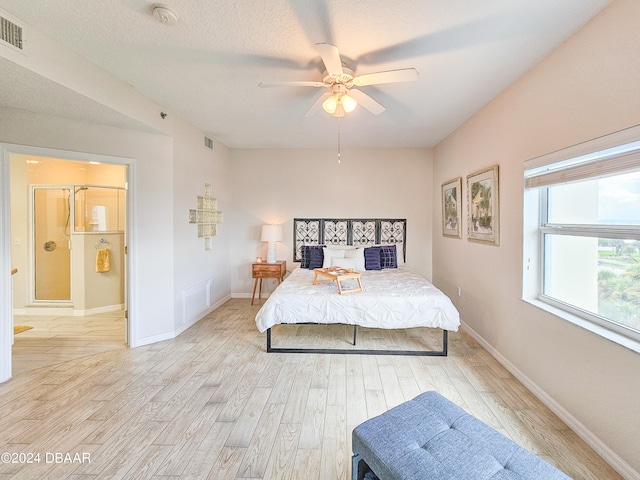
(483, 205)
(452, 208)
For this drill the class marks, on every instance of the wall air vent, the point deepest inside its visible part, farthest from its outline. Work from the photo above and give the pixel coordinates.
(10, 33)
(208, 142)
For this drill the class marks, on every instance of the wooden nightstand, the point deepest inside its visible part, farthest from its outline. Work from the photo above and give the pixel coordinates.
(266, 270)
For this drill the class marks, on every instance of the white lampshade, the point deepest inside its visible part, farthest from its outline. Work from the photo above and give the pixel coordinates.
(271, 234)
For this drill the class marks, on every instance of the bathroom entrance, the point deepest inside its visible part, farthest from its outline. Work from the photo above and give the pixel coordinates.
(68, 222)
(77, 246)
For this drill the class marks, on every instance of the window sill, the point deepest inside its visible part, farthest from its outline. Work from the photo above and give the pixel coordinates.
(610, 335)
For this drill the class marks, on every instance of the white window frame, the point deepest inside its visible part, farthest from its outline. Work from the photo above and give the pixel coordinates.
(610, 155)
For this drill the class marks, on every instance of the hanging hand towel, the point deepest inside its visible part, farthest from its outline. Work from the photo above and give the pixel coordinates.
(103, 260)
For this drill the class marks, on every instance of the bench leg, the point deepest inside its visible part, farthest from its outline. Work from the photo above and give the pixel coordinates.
(360, 470)
(354, 466)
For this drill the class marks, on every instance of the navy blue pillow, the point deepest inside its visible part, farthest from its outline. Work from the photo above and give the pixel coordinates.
(372, 258)
(316, 257)
(304, 253)
(388, 258)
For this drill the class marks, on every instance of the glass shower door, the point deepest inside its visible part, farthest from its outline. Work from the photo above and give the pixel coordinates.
(52, 257)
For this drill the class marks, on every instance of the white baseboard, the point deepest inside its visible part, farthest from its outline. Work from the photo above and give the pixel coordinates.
(612, 458)
(141, 342)
(248, 295)
(240, 295)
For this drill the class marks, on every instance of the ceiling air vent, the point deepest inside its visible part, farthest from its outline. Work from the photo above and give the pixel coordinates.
(208, 142)
(10, 33)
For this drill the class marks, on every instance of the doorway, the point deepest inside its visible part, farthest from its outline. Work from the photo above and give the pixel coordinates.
(65, 212)
(71, 225)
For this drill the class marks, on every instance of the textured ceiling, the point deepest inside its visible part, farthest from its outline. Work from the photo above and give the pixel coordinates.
(39, 95)
(207, 67)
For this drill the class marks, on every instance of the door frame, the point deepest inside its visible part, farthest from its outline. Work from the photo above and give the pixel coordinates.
(6, 297)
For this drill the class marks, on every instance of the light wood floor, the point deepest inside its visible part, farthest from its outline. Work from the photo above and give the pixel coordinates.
(213, 404)
(55, 339)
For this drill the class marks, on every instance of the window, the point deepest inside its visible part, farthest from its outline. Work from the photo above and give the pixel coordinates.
(582, 233)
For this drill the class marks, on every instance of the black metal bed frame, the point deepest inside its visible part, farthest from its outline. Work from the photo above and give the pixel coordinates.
(415, 353)
(355, 232)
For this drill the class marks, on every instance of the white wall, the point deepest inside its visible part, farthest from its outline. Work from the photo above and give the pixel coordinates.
(276, 186)
(586, 88)
(201, 278)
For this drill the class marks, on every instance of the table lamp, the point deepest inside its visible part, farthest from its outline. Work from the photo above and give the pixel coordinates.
(271, 234)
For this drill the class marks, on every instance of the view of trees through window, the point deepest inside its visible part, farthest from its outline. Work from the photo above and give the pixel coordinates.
(585, 207)
(619, 281)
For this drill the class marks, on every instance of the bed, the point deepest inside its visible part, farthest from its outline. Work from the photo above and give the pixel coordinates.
(394, 296)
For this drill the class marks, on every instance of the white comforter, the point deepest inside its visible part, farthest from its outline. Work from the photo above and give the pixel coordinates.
(391, 298)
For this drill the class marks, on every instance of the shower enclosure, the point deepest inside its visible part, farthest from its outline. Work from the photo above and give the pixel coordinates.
(67, 218)
(51, 242)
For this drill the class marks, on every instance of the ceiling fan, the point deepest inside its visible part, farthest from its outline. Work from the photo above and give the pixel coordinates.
(342, 98)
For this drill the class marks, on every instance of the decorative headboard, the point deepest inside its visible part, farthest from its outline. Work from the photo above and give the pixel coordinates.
(346, 231)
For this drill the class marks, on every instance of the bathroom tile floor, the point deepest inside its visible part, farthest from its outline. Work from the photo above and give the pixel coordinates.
(58, 339)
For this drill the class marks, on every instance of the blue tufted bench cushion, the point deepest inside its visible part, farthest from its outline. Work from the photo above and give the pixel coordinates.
(430, 437)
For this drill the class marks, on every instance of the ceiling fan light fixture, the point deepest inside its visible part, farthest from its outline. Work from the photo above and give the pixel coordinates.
(340, 79)
(330, 104)
(349, 103)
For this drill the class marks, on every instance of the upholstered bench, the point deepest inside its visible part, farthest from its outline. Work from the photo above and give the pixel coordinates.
(430, 437)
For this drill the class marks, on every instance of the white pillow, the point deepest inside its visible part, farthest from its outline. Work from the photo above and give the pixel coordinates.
(357, 254)
(400, 253)
(345, 263)
(329, 253)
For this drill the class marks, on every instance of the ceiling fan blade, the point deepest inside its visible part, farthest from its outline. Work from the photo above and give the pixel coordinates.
(390, 76)
(331, 58)
(292, 84)
(366, 101)
(317, 106)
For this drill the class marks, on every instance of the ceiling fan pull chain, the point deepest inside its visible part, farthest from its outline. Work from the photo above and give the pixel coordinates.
(339, 160)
